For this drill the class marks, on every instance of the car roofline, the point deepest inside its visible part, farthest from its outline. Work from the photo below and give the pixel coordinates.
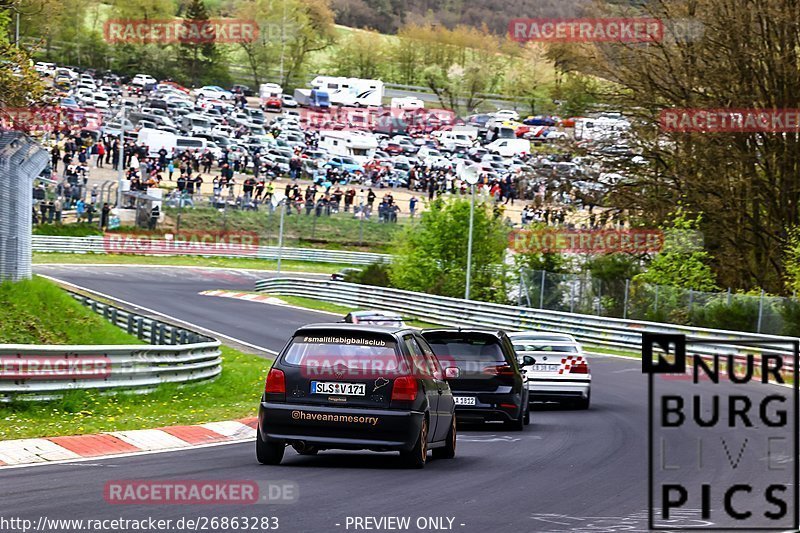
(346, 327)
(458, 330)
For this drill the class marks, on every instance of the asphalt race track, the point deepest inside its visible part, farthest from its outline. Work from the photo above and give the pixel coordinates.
(568, 471)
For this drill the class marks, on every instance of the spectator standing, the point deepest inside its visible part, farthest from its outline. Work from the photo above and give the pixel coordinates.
(101, 152)
(80, 208)
(55, 156)
(104, 214)
(58, 207)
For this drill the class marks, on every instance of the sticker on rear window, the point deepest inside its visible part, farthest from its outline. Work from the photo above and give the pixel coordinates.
(345, 340)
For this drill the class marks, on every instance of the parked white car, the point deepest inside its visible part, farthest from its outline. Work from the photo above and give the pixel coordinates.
(213, 91)
(506, 114)
(143, 79)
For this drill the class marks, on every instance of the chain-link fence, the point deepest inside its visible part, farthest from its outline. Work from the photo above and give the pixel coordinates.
(625, 298)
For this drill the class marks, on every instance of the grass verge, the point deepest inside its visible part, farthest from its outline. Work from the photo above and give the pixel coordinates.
(186, 260)
(37, 311)
(234, 394)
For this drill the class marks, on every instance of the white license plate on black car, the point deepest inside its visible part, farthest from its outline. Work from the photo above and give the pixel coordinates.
(464, 400)
(337, 387)
(546, 368)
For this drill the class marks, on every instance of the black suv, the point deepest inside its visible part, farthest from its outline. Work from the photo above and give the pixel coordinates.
(489, 384)
(355, 387)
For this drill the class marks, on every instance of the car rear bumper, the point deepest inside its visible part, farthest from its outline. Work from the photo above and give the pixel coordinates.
(558, 389)
(340, 428)
(489, 407)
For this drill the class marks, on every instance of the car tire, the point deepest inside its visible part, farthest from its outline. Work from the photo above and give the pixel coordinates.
(518, 424)
(269, 452)
(418, 456)
(583, 403)
(527, 418)
(449, 451)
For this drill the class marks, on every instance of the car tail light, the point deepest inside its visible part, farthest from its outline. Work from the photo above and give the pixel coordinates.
(276, 382)
(405, 389)
(508, 406)
(580, 368)
(499, 370)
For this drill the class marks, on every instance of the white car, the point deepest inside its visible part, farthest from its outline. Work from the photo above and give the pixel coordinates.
(213, 91)
(225, 131)
(101, 100)
(561, 371)
(46, 69)
(288, 101)
(143, 79)
(506, 114)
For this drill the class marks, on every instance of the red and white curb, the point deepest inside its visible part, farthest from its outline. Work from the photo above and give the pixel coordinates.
(248, 296)
(44, 450)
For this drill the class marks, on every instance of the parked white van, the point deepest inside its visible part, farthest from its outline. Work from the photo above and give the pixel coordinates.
(155, 140)
(510, 147)
(452, 140)
(359, 145)
(407, 103)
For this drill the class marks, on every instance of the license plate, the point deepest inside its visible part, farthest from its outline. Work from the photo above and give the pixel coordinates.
(464, 400)
(335, 387)
(545, 368)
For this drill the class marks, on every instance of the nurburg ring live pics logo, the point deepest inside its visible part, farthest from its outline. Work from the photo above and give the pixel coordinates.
(722, 433)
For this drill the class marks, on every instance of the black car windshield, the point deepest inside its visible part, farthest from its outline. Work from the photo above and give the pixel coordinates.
(481, 350)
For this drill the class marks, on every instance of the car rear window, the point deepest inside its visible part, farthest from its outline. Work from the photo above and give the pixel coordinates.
(340, 349)
(467, 350)
(544, 347)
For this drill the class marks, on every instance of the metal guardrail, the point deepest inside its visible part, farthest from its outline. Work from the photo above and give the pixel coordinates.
(101, 245)
(174, 355)
(594, 331)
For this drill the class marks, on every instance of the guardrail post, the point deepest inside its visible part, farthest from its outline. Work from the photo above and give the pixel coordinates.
(655, 308)
(572, 296)
(140, 328)
(760, 311)
(183, 336)
(114, 315)
(625, 305)
(173, 335)
(541, 292)
(161, 333)
(129, 327)
(729, 296)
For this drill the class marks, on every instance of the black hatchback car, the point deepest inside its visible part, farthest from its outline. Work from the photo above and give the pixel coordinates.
(490, 385)
(356, 387)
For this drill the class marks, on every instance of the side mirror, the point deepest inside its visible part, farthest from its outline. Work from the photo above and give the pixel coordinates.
(527, 360)
(451, 372)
